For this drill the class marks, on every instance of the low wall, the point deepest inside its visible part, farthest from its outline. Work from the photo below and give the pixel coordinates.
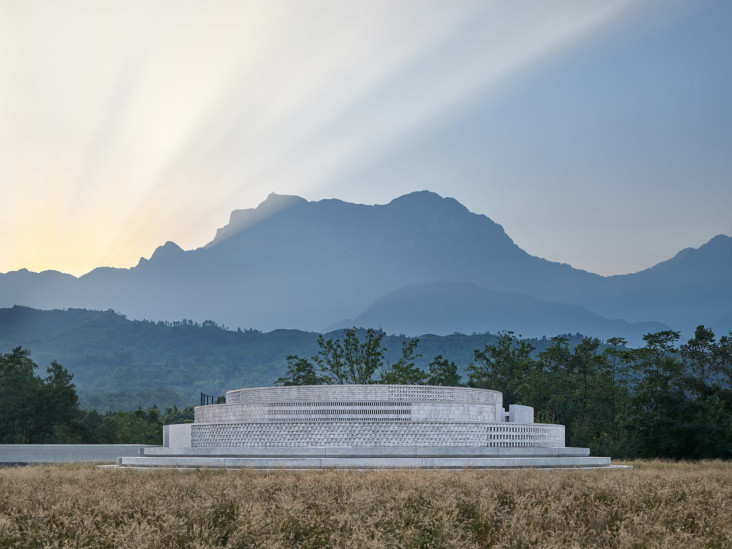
(277, 412)
(365, 393)
(67, 453)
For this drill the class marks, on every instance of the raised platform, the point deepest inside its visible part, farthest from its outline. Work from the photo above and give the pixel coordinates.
(366, 463)
(366, 458)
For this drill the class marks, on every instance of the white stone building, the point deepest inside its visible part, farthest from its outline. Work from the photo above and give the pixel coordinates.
(364, 426)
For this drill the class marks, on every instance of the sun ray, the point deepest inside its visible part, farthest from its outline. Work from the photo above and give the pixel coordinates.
(127, 124)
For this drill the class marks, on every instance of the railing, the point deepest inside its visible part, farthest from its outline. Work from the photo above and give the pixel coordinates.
(211, 399)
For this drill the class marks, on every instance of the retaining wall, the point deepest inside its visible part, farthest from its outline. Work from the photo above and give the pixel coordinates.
(67, 453)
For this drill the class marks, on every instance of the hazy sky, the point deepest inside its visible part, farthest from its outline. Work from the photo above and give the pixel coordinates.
(598, 133)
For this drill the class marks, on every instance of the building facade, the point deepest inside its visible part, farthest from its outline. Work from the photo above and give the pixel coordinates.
(364, 426)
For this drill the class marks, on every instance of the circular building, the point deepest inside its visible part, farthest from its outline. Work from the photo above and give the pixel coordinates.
(364, 426)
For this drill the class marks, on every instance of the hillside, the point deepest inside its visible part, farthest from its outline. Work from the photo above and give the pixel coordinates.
(447, 307)
(121, 364)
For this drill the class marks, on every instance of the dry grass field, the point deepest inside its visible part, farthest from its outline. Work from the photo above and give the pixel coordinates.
(656, 504)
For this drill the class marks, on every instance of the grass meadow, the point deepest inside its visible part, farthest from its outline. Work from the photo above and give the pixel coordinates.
(656, 504)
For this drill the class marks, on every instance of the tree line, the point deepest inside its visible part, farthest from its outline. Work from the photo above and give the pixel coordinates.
(354, 361)
(664, 399)
(45, 410)
(121, 364)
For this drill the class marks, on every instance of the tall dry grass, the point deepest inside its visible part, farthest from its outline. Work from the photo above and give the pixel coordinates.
(657, 504)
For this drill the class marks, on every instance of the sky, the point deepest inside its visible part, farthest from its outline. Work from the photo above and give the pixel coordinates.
(598, 133)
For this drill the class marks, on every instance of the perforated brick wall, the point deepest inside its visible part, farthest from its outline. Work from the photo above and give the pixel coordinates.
(371, 434)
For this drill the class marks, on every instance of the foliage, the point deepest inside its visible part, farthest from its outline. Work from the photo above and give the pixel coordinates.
(358, 362)
(135, 427)
(350, 361)
(46, 410)
(122, 364)
(404, 371)
(656, 401)
(443, 372)
(34, 409)
(505, 364)
(664, 399)
(300, 371)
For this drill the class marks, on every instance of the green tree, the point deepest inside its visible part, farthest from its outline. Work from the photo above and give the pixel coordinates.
(404, 371)
(662, 411)
(549, 387)
(700, 356)
(584, 364)
(35, 410)
(443, 372)
(57, 409)
(300, 371)
(19, 388)
(703, 359)
(174, 415)
(616, 359)
(724, 359)
(591, 417)
(338, 362)
(363, 360)
(616, 437)
(503, 366)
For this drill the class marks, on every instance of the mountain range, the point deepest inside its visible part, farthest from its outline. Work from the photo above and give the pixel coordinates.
(419, 264)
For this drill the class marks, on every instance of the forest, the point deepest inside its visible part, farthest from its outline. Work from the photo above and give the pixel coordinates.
(122, 364)
(45, 410)
(660, 400)
(666, 399)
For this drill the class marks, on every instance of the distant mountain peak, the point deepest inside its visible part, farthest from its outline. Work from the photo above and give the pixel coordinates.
(162, 255)
(167, 250)
(278, 201)
(243, 219)
(423, 195)
(717, 250)
(418, 204)
(427, 200)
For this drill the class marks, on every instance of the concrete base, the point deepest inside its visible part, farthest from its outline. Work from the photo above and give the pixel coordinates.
(366, 458)
(22, 454)
(364, 463)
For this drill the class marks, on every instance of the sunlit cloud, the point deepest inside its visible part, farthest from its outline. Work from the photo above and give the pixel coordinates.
(126, 124)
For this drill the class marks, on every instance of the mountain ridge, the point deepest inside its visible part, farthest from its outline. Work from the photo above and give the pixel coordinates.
(292, 263)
